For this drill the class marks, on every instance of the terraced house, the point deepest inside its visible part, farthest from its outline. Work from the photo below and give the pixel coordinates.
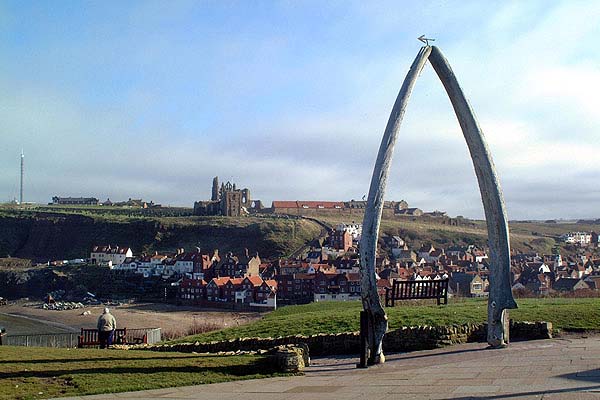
(238, 293)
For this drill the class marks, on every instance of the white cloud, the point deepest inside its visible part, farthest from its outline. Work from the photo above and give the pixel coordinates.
(296, 115)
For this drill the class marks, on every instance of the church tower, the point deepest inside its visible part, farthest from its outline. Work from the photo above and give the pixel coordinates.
(215, 189)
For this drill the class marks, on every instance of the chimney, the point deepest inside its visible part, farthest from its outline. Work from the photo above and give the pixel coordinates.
(246, 252)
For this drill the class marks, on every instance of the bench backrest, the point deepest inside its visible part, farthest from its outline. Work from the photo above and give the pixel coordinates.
(89, 337)
(413, 290)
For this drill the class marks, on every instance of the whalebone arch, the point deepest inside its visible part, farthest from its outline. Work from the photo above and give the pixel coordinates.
(500, 296)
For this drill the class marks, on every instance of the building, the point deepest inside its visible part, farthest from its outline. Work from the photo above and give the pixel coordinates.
(570, 284)
(80, 201)
(307, 207)
(354, 229)
(340, 240)
(581, 238)
(411, 212)
(467, 285)
(239, 292)
(227, 200)
(110, 255)
(238, 266)
(336, 287)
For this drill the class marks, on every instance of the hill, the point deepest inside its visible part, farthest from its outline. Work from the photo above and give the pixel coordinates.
(48, 235)
(338, 317)
(525, 236)
(51, 232)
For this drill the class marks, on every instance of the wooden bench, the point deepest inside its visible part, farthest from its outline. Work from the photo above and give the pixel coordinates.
(89, 337)
(416, 290)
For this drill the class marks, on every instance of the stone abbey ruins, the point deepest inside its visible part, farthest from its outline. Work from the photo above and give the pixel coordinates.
(500, 296)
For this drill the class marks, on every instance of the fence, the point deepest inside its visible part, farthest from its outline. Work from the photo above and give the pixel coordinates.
(42, 340)
(70, 339)
(153, 335)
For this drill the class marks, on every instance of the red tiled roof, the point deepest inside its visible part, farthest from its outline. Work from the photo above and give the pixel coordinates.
(308, 204)
(255, 280)
(272, 283)
(353, 277)
(220, 281)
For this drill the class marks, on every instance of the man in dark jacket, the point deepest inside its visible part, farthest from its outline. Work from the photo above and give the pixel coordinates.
(106, 328)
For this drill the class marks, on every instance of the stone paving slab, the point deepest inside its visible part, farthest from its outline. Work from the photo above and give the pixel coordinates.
(545, 369)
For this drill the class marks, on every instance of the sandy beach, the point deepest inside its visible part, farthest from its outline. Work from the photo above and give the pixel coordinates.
(26, 318)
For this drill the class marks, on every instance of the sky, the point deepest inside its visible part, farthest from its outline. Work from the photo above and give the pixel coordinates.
(152, 99)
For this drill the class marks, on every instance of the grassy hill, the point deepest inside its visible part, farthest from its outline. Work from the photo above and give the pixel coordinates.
(337, 317)
(43, 235)
(534, 236)
(51, 232)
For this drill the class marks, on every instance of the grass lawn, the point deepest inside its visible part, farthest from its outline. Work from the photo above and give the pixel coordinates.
(336, 317)
(30, 373)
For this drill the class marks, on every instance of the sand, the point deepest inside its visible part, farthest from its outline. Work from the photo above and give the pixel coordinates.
(25, 318)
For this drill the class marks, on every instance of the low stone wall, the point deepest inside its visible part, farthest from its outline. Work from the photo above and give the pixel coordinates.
(397, 340)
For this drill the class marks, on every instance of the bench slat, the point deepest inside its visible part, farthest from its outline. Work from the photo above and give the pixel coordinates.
(89, 337)
(409, 290)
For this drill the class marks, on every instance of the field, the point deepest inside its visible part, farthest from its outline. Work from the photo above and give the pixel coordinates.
(32, 373)
(337, 317)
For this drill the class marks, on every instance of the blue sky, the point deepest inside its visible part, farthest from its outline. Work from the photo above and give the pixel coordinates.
(152, 99)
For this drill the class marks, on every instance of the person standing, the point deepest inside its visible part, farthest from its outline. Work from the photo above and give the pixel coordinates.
(106, 328)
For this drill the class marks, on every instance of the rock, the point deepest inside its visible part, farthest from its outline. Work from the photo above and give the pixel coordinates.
(289, 359)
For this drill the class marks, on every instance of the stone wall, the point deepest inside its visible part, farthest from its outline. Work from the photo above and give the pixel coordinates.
(402, 339)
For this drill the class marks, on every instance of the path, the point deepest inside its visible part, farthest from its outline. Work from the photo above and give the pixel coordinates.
(325, 229)
(544, 369)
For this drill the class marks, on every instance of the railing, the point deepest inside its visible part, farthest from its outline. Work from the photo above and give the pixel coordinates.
(153, 335)
(69, 340)
(42, 340)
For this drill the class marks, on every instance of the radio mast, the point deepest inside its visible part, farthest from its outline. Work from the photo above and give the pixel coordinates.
(22, 172)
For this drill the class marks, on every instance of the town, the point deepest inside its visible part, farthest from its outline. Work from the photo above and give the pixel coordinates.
(331, 271)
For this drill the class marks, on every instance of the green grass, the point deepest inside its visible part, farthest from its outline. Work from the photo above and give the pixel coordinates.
(337, 317)
(30, 373)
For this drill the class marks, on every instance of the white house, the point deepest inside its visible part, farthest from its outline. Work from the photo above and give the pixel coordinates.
(582, 238)
(355, 230)
(110, 255)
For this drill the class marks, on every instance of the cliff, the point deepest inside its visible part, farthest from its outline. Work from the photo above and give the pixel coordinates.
(44, 236)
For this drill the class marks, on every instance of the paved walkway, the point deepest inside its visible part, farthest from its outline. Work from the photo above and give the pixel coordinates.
(543, 369)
